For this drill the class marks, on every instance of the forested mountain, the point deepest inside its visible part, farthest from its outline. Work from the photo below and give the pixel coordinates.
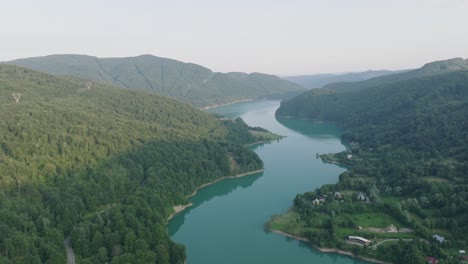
(437, 67)
(319, 80)
(103, 166)
(189, 82)
(408, 150)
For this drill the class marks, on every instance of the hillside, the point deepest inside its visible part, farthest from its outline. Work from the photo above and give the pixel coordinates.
(407, 153)
(437, 67)
(103, 166)
(188, 82)
(319, 80)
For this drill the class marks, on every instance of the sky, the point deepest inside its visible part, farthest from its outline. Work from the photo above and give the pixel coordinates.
(289, 37)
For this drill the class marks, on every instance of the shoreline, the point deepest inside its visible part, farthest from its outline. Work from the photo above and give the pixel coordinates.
(263, 141)
(178, 209)
(225, 104)
(327, 250)
(223, 178)
(181, 207)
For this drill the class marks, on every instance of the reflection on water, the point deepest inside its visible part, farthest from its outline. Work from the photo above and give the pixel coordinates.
(307, 127)
(226, 225)
(211, 191)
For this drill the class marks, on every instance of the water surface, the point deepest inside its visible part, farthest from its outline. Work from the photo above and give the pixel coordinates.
(226, 223)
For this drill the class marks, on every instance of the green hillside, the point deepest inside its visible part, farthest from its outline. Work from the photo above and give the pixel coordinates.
(319, 80)
(408, 152)
(103, 166)
(437, 67)
(189, 82)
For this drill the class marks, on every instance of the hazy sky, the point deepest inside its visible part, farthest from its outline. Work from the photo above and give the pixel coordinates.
(287, 37)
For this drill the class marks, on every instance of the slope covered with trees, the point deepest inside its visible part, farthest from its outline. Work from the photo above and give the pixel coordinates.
(408, 152)
(433, 68)
(103, 166)
(189, 82)
(319, 80)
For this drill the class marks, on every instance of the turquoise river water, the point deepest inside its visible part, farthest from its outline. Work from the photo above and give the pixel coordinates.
(226, 223)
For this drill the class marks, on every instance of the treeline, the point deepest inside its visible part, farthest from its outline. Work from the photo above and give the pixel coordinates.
(104, 167)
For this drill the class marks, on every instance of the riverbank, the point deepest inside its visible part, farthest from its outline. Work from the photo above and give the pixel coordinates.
(226, 104)
(179, 208)
(264, 141)
(328, 250)
(223, 178)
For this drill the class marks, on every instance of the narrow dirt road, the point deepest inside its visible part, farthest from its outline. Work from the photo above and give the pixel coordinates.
(70, 254)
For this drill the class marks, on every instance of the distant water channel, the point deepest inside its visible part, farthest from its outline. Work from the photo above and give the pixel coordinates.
(225, 225)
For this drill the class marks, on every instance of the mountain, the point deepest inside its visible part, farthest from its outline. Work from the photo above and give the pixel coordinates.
(319, 80)
(103, 166)
(437, 67)
(188, 82)
(407, 150)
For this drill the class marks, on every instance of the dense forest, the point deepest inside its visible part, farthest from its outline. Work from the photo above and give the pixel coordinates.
(188, 82)
(103, 166)
(407, 152)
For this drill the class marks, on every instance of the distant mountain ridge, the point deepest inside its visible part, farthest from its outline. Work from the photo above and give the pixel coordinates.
(188, 82)
(314, 81)
(432, 68)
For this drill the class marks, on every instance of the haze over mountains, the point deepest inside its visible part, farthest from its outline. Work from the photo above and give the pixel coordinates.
(432, 68)
(314, 81)
(353, 81)
(188, 82)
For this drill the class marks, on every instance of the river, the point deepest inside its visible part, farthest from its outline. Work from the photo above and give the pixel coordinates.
(226, 223)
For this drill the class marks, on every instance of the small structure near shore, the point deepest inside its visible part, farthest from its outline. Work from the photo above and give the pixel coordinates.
(439, 238)
(338, 195)
(316, 202)
(432, 260)
(361, 197)
(358, 239)
(392, 229)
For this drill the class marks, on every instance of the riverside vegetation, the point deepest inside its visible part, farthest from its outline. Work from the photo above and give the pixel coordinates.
(104, 166)
(407, 166)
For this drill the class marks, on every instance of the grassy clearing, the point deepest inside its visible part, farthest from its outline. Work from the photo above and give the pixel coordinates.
(436, 179)
(375, 219)
(287, 222)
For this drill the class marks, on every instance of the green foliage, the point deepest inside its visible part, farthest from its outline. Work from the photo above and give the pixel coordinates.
(189, 82)
(408, 138)
(104, 167)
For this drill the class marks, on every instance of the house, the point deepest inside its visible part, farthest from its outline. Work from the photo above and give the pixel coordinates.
(338, 195)
(439, 238)
(391, 229)
(322, 198)
(349, 156)
(361, 197)
(461, 251)
(316, 202)
(432, 260)
(358, 239)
